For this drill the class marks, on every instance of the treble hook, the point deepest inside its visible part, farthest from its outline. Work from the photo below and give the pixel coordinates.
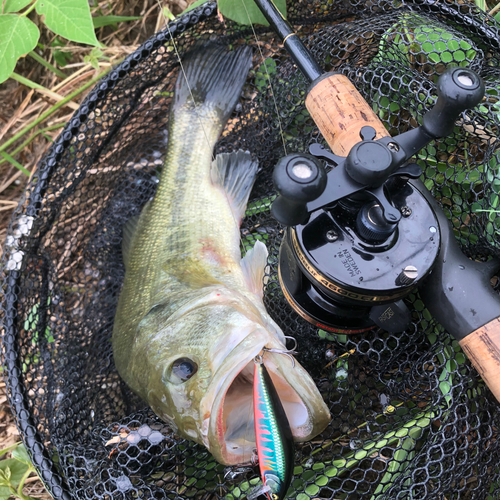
(286, 352)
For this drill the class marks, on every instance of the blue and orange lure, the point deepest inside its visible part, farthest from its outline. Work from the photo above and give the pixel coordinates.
(273, 434)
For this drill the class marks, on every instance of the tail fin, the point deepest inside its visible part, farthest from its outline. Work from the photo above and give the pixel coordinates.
(212, 75)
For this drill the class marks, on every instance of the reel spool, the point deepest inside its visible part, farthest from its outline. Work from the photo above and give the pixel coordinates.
(343, 282)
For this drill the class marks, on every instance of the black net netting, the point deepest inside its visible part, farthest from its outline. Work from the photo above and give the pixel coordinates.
(410, 417)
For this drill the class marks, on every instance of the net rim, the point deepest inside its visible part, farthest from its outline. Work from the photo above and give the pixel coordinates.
(31, 438)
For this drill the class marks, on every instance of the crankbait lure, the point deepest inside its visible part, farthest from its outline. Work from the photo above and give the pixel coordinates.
(273, 434)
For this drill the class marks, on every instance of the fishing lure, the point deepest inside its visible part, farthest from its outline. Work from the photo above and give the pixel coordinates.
(273, 434)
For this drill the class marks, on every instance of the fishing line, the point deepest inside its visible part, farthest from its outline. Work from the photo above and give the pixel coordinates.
(185, 77)
(268, 77)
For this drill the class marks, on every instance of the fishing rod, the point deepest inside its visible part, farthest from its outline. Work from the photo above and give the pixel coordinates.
(362, 237)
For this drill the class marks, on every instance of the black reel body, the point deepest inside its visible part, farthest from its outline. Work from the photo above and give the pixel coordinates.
(362, 237)
(344, 283)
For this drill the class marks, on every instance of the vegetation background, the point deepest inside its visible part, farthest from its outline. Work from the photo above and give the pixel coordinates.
(62, 54)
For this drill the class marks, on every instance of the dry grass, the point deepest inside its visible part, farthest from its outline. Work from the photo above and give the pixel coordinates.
(22, 106)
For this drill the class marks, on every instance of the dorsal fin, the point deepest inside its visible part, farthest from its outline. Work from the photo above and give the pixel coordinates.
(235, 173)
(213, 76)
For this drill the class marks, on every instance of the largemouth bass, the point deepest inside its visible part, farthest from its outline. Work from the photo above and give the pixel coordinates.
(190, 317)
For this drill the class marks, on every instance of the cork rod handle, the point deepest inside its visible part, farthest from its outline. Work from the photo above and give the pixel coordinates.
(483, 349)
(340, 112)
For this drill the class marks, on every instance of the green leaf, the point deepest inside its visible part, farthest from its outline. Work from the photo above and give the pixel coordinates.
(19, 36)
(4, 493)
(246, 11)
(15, 5)
(68, 18)
(5, 476)
(96, 54)
(167, 13)
(481, 4)
(17, 470)
(101, 21)
(62, 58)
(312, 490)
(263, 74)
(21, 454)
(10, 448)
(260, 205)
(194, 5)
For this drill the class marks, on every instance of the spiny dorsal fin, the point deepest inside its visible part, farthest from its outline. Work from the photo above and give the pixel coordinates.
(235, 173)
(253, 265)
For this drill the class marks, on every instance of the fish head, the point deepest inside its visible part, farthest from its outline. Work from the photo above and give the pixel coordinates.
(205, 361)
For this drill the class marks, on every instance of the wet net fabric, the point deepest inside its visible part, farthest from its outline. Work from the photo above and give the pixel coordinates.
(410, 417)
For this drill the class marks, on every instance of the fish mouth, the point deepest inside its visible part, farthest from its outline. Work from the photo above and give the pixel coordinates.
(231, 431)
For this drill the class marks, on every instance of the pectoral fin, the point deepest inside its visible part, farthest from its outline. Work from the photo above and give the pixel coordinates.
(254, 265)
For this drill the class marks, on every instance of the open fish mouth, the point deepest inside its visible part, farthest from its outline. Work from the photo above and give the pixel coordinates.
(231, 432)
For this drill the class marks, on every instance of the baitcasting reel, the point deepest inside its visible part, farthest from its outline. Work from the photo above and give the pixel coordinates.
(366, 234)
(362, 237)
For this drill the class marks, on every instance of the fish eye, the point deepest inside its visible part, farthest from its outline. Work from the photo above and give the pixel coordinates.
(183, 369)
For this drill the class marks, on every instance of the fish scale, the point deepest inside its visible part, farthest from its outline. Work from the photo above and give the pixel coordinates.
(171, 229)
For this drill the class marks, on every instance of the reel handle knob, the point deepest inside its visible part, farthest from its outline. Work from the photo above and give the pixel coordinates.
(458, 89)
(299, 179)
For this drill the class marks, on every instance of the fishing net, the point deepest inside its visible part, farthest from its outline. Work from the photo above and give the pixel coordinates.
(410, 417)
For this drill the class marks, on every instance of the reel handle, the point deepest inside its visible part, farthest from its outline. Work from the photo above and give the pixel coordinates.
(458, 89)
(299, 178)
